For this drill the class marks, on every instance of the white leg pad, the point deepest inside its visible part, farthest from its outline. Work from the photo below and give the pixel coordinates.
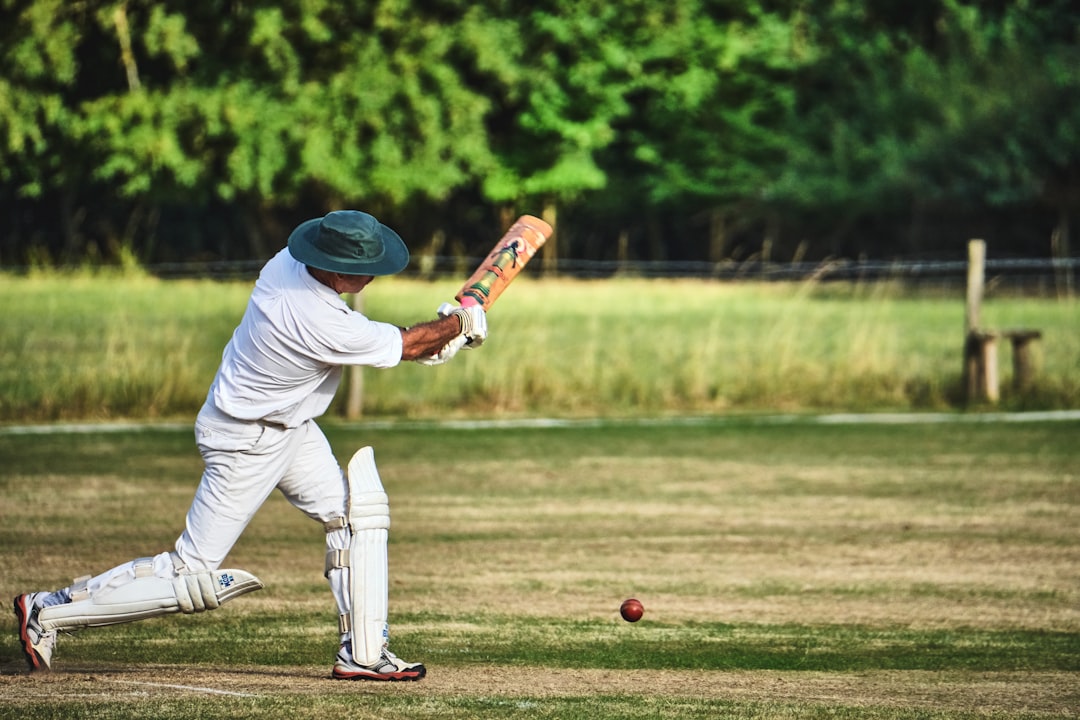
(369, 521)
(148, 596)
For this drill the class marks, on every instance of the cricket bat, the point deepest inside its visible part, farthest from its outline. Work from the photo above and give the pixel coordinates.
(504, 262)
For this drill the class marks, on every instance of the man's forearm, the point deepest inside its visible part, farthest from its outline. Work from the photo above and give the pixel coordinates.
(428, 338)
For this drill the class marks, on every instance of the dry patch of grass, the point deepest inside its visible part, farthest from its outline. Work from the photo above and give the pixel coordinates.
(708, 540)
(1044, 693)
(780, 548)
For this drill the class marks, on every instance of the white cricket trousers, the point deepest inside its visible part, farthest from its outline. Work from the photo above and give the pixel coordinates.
(244, 462)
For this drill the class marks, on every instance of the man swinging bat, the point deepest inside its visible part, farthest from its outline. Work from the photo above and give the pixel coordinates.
(257, 432)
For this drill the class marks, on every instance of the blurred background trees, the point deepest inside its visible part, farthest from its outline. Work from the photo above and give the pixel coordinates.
(685, 129)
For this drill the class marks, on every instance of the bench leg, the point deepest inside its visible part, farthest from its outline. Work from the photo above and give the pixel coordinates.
(989, 364)
(1023, 368)
(981, 368)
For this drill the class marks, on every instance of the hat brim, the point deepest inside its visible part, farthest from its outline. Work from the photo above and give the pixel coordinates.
(395, 257)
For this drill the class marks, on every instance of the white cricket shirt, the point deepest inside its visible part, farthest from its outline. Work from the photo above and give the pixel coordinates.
(284, 361)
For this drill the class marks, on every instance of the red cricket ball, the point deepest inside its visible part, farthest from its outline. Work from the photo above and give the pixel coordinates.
(631, 610)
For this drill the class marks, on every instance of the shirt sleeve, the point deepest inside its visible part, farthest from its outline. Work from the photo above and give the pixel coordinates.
(354, 339)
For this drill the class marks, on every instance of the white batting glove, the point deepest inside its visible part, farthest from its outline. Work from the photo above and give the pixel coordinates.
(448, 351)
(473, 322)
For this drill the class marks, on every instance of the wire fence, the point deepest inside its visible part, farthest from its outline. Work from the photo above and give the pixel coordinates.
(1037, 276)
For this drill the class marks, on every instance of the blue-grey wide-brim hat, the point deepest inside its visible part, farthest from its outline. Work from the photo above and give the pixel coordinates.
(349, 242)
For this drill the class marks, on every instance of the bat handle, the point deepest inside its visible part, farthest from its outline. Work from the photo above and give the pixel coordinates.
(469, 301)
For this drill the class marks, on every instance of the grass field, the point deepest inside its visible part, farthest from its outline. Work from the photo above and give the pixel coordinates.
(93, 347)
(789, 569)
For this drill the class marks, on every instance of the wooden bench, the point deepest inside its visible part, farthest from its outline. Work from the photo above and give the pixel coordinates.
(980, 346)
(981, 365)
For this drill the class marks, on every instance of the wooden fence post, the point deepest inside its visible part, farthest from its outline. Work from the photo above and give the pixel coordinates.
(980, 347)
(976, 274)
(550, 251)
(354, 400)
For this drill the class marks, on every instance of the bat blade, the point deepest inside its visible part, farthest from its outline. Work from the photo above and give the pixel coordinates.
(514, 249)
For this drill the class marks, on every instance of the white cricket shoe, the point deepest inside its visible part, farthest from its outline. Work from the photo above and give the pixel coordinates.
(388, 667)
(37, 643)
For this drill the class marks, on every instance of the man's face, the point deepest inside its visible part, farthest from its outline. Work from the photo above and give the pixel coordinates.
(351, 283)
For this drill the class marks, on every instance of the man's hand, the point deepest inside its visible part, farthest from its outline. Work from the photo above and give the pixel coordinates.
(436, 341)
(448, 351)
(473, 322)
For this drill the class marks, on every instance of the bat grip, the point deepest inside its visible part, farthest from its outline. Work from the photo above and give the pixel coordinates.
(469, 301)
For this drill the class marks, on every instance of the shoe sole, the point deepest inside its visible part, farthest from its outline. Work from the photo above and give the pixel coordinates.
(404, 675)
(22, 612)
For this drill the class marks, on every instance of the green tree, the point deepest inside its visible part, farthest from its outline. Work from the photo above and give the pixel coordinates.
(619, 110)
(714, 113)
(256, 105)
(946, 107)
(38, 67)
(692, 128)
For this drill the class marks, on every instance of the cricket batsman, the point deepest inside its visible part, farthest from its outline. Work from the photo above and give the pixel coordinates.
(256, 433)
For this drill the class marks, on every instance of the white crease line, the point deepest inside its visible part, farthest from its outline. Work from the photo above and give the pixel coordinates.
(87, 428)
(211, 691)
(913, 418)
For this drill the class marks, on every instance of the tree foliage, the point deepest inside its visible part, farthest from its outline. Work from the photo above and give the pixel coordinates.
(175, 130)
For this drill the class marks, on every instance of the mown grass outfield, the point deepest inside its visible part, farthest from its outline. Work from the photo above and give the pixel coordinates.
(790, 568)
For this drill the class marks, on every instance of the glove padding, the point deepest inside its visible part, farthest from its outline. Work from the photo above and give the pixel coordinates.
(473, 322)
(448, 351)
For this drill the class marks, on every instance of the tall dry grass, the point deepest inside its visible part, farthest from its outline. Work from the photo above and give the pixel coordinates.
(92, 346)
